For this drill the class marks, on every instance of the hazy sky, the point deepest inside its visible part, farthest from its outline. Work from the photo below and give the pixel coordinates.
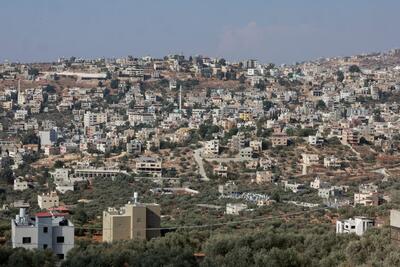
(280, 31)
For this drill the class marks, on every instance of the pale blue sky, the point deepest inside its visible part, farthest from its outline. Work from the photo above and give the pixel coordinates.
(279, 31)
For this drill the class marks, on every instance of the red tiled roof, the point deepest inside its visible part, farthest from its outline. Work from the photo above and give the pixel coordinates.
(48, 214)
(43, 214)
(61, 208)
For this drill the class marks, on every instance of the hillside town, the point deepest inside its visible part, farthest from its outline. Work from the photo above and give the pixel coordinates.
(139, 148)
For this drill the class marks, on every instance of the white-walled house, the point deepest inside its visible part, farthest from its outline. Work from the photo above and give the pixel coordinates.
(235, 208)
(47, 231)
(358, 225)
(20, 184)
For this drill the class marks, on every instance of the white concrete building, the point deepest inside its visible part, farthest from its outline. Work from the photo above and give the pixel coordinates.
(20, 184)
(134, 147)
(228, 188)
(263, 177)
(317, 183)
(149, 165)
(47, 231)
(90, 118)
(235, 208)
(294, 187)
(329, 192)
(358, 225)
(315, 140)
(395, 226)
(246, 153)
(62, 180)
(136, 118)
(331, 162)
(47, 138)
(60, 175)
(20, 114)
(82, 174)
(310, 159)
(366, 199)
(221, 170)
(256, 145)
(368, 188)
(211, 148)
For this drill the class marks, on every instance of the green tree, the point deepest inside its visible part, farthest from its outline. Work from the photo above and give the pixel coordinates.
(7, 175)
(267, 105)
(33, 71)
(339, 76)
(206, 131)
(114, 84)
(354, 69)
(80, 216)
(261, 85)
(29, 138)
(242, 79)
(321, 105)
(58, 164)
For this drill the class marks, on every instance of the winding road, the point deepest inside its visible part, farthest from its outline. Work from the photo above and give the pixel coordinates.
(199, 161)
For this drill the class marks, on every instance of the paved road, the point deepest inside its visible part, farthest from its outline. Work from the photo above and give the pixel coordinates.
(225, 160)
(199, 161)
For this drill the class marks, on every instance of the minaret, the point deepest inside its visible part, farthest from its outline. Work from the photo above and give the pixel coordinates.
(180, 98)
(20, 96)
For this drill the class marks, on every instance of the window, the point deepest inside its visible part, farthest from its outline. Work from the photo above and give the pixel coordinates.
(45, 229)
(45, 246)
(60, 239)
(60, 256)
(139, 220)
(26, 240)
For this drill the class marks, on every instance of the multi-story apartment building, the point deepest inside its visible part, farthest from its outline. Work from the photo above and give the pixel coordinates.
(246, 153)
(263, 177)
(350, 137)
(256, 145)
(133, 221)
(149, 165)
(90, 118)
(211, 148)
(47, 231)
(134, 147)
(366, 199)
(279, 139)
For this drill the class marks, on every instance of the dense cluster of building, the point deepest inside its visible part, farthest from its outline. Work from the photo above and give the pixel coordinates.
(132, 112)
